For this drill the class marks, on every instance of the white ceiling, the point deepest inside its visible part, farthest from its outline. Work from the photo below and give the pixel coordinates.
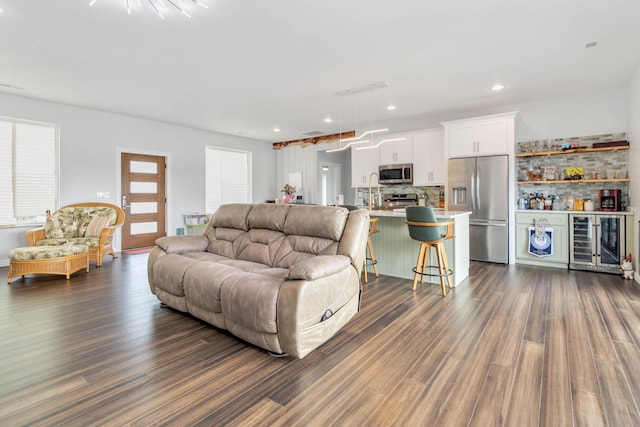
(244, 67)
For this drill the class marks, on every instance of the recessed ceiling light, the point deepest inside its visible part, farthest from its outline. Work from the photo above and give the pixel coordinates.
(328, 120)
(276, 129)
(591, 44)
(391, 107)
(496, 87)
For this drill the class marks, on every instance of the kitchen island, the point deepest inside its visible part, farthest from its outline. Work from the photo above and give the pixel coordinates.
(397, 253)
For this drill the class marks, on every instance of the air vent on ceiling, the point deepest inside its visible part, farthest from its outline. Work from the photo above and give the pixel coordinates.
(313, 133)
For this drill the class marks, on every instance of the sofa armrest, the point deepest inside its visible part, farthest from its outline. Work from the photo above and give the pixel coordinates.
(34, 235)
(182, 244)
(317, 267)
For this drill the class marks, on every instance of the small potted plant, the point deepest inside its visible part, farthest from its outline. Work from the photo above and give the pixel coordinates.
(289, 192)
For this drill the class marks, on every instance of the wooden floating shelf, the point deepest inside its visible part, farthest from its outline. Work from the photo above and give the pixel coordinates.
(573, 151)
(573, 181)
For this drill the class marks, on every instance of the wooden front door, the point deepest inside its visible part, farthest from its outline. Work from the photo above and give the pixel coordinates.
(143, 199)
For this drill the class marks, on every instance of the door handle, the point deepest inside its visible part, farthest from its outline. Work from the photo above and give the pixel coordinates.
(124, 202)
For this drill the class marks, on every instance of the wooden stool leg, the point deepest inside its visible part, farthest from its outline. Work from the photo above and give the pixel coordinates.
(425, 261)
(439, 249)
(419, 265)
(364, 268)
(372, 256)
(446, 266)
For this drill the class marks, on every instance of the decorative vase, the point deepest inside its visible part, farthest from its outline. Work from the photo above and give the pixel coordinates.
(288, 198)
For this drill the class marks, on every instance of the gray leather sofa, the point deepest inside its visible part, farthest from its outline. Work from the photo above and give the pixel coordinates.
(283, 277)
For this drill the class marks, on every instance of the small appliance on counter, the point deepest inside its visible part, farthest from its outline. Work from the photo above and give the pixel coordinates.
(399, 201)
(610, 200)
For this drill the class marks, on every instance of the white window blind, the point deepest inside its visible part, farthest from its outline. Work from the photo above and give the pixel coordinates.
(228, 177)
(28, 160)
(6, 173)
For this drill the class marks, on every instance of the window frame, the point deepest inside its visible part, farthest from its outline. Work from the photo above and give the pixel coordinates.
(249, 176)
(37, 219)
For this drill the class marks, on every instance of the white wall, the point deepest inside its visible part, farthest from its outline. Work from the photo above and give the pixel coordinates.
(90, 140)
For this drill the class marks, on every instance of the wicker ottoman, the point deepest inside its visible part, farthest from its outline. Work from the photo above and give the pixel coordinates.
(62, 259)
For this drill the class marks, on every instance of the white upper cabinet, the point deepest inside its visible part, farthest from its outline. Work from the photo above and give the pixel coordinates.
(480, 136)
(363, 164)
(395, 151)
(425, 149)
(429, 162)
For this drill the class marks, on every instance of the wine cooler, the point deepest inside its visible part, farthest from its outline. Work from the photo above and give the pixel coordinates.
(597, 242)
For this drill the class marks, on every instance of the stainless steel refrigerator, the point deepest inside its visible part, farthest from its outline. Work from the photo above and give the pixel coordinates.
(481, 185)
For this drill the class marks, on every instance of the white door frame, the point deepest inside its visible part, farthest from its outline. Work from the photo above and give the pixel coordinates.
(168, 188)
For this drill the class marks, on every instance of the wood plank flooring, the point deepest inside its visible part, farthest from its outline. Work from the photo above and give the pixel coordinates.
(512, 346)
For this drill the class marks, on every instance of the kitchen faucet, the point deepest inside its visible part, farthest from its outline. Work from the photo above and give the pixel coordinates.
(371, 205)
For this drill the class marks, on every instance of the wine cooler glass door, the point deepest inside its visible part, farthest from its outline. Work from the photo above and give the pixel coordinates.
(611, 232)
(582, 239)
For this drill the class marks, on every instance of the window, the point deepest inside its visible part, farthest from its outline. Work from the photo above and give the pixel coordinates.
(228, 177)
(28, 171)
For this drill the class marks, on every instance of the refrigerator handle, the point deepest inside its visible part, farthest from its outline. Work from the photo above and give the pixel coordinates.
(473, 191)
(478, 201)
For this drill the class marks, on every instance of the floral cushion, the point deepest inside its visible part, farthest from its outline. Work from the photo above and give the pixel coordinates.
(46, 252)
(73, 222)
(92, 242)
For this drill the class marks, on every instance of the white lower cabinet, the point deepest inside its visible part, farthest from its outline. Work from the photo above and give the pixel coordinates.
(559, 223)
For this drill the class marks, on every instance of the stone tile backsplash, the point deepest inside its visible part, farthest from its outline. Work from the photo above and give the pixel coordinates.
(593, 163)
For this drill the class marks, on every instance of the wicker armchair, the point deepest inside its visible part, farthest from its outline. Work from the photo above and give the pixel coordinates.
(79, 227)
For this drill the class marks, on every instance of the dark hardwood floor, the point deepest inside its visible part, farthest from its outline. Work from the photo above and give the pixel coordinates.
(516, 346)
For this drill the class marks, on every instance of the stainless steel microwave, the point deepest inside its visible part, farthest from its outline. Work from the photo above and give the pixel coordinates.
(395, 174)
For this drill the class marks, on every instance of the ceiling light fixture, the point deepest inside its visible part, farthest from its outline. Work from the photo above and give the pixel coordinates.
(381, 142)
(159, 6)
(371, 86)
(497, 87)
(355, 140)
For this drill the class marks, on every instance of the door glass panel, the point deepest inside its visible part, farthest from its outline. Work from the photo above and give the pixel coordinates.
(143, 167)
(609, 240)
(144, 227)
(143, 187)
(143, 207)
(582, 239)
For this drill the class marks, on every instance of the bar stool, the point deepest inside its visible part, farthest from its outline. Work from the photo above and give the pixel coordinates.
(370, 257)
(424, 228)
(371, 260)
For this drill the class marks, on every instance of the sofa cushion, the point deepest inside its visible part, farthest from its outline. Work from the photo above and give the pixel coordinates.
(259, 245)
(224, 241)
(310, 231)
(73, 221)
(169, 272)
(61, 223)
(316, 221)
(268, 216)
(233, 215)
(250, 300)
(202, 284)
(92, 242)
(85, 214)
(95, 226)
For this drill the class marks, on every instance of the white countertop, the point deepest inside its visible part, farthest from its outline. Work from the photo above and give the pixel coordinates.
(541, 211)
(440, 213)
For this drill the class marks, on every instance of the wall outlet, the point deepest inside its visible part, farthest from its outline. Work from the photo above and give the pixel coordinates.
(103, 194)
